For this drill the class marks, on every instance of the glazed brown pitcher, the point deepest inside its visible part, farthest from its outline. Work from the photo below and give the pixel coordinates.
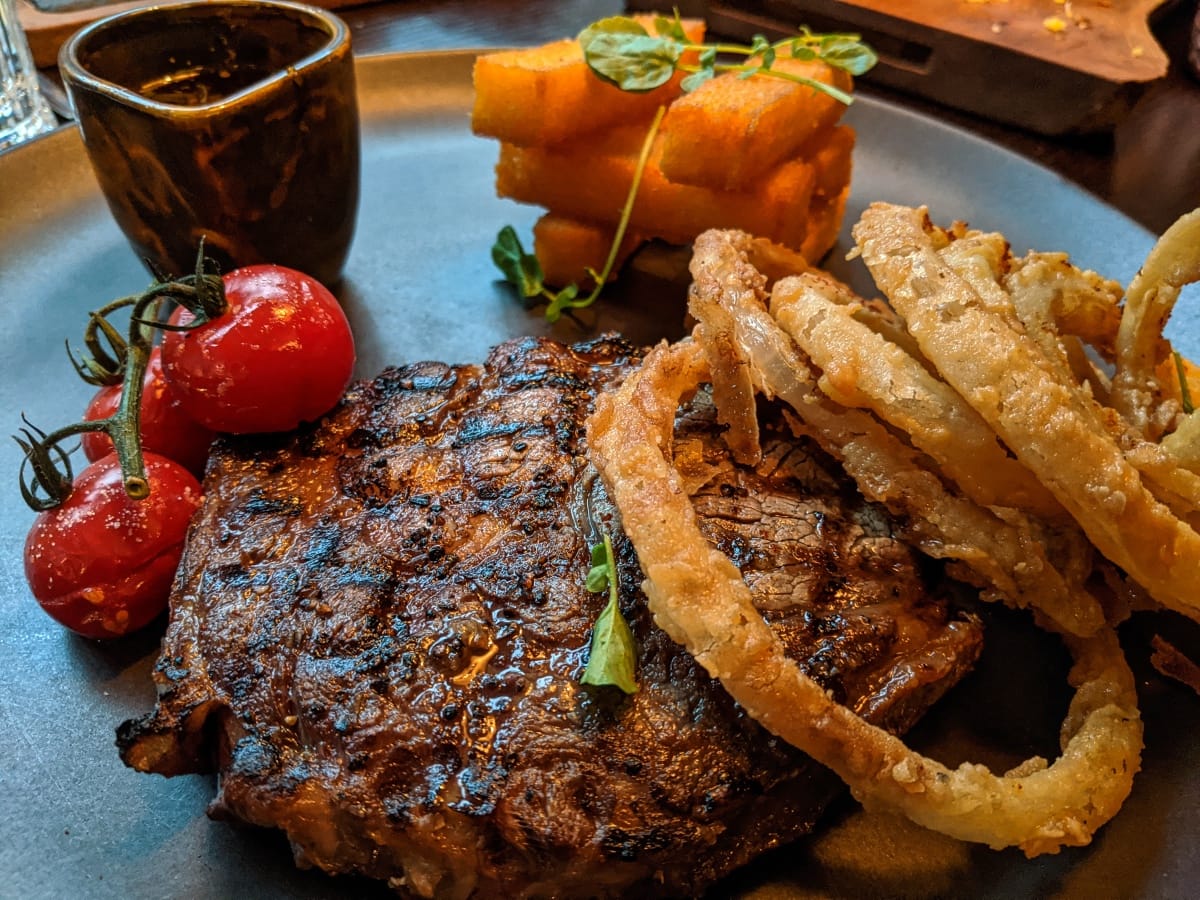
(232, 121)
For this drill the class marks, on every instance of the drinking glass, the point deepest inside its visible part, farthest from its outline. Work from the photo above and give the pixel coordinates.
(24, 113)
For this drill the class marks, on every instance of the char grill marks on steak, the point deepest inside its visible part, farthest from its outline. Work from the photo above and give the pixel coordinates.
(379, 623)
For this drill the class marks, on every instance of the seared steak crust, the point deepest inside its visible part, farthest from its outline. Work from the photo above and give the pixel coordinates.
(379, 624)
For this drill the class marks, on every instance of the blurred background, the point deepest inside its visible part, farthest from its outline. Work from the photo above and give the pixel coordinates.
(1104, 92)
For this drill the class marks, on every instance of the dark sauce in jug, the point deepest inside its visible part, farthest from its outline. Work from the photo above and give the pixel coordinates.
(200, 85)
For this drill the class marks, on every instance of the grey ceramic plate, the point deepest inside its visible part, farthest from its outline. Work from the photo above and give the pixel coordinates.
(75, 822)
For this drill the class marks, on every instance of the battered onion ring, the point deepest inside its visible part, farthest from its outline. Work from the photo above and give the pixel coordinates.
(862, 369)
(732, 381)
(1048, 293)
(1173, 262)
(1003, 548)
(1054, 428)
(1184, 443)
(1042, 290)
(698, 597)
(1051, 295)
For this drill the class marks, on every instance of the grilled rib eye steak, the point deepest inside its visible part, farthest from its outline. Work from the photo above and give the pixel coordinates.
(379, 624)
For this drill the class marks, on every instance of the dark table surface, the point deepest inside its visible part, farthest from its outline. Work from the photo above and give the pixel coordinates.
(1149, 168)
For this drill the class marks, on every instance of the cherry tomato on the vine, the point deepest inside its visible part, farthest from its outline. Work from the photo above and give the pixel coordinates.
(102, 564)
(165, 428)
(280, 355)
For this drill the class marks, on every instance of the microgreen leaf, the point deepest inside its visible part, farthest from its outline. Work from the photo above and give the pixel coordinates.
(612, 659)
(518, 267)
(610, 25)
(849, 53)
(802, 52)
(696, 79)
(707, 70)
(597, 576)
(620, 51)
(670, 27)
(761, 47)
(633, 62)
(564, 299)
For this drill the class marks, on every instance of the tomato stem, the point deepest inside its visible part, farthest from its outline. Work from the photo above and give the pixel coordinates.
(124, 359)
(125, 425)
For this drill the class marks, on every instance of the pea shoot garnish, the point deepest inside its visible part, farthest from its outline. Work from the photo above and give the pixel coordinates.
(524, 271)
(622, 52)
(613, 656)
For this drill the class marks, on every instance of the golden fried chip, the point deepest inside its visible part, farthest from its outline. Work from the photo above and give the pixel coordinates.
(567, 248)
(776, 208)
(547, 95)
(729, 132)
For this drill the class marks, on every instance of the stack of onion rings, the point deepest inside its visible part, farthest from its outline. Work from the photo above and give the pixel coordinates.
(992, 348)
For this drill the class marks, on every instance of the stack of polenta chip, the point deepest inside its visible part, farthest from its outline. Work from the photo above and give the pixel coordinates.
(761, 154)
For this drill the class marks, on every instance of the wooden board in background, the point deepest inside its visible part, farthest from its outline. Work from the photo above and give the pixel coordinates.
(1110, 39)
(995, 58)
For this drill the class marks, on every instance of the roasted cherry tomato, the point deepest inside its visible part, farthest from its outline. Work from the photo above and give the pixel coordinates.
(102, 564)
(281, 354)
(166, 429)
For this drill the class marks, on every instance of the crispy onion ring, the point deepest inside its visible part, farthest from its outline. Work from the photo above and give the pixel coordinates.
(1173, 262)
(732, 381)
(1047, 293)
(1184, 443)
(1003, 548)
(699, 598)
(862, 369)
(1053, 427)
(1051, 295)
